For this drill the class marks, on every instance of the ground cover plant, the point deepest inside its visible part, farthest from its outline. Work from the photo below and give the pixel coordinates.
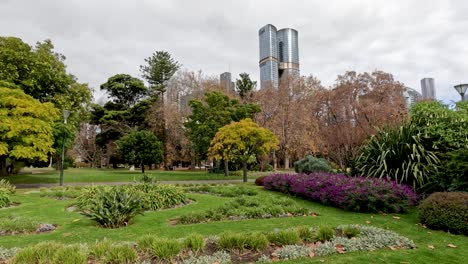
(229, 246)
(432, 246)
(60, 192)
(246, 207)
(225, 191)
(116, 206)
(350, 193)
(17, 225)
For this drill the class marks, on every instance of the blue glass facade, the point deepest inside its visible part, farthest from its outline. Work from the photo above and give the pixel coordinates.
(279, 54)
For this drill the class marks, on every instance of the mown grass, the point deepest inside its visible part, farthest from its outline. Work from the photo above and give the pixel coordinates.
(87, 175)
(74, 228)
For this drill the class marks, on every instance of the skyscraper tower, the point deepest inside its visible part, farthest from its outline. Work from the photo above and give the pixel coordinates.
(428, 88)
(279, 54)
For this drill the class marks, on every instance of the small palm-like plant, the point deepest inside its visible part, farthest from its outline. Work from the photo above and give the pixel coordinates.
(113, 207)
(398, 154)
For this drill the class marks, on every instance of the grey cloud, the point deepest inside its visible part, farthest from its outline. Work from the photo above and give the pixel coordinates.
(411, 39)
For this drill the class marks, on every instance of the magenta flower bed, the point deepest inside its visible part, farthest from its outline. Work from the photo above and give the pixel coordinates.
(357, 194)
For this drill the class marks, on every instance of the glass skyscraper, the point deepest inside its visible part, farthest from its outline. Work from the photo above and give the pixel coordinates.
(279, 54)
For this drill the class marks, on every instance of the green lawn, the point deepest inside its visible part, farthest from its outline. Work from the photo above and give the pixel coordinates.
(74, 228)
(115, 175)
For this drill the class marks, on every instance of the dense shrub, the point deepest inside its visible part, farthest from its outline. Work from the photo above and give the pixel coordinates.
(311, 164)
(259, 180)
(159, 196)
(355, 194)
(398, 154)
(6, 190)
(451, 174)
(113, 206)
(7, 186)
(446, 211)
(5, 199)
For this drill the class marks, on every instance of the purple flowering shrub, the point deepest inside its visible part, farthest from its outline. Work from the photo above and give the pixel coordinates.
(357, 194)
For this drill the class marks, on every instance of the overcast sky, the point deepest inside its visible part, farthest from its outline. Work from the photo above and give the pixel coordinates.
(411, 39)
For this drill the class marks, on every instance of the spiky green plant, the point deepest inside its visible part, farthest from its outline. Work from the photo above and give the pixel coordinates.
(398, 154)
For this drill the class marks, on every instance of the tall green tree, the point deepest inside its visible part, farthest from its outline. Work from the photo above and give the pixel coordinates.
(140, 148)
(242, 141)
(125, 89)
(26, 127)
(245, 86)
(41, 73)
(159, 69)
(213, 112)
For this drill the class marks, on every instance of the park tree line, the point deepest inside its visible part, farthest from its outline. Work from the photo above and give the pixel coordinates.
(169, 116)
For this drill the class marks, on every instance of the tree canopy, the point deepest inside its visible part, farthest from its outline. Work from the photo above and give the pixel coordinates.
(26, 127)
(245, 86)
(242, 141)
(140, 148)
(213, 112)
(125, 89)
(159, 69)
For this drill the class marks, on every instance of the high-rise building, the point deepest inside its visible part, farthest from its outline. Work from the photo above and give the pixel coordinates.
(279, 54)
(410, 96)
(428, 88)
(225, 81)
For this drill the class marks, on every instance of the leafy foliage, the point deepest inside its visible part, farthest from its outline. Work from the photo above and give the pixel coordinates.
(125, 89)
(155, 197)
(443, 129)
(159, 69)
(7, 187)
(284, 237)
(446, 211)
(26, 127)
(370, 238)
(52, 253)
(311, 164)
(16, 224)
(225, 191)
(398, 154)
(245, 207)
(105, 251)
(245, 86)
(113, 207)
(240, 141)
(195, 242)
(160, 248)
(210, 114)
(350, 193)
(141, 148)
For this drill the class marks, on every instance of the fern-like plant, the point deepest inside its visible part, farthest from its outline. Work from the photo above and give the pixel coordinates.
(398, 154)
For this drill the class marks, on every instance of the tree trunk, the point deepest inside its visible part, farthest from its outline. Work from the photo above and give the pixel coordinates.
(244, 169)
(286, 160)
(3, 168)
(142, 168)
(275, 161)
(226, 168)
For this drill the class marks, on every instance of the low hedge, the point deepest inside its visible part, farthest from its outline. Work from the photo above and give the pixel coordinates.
(446, 211)
(357, 194)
